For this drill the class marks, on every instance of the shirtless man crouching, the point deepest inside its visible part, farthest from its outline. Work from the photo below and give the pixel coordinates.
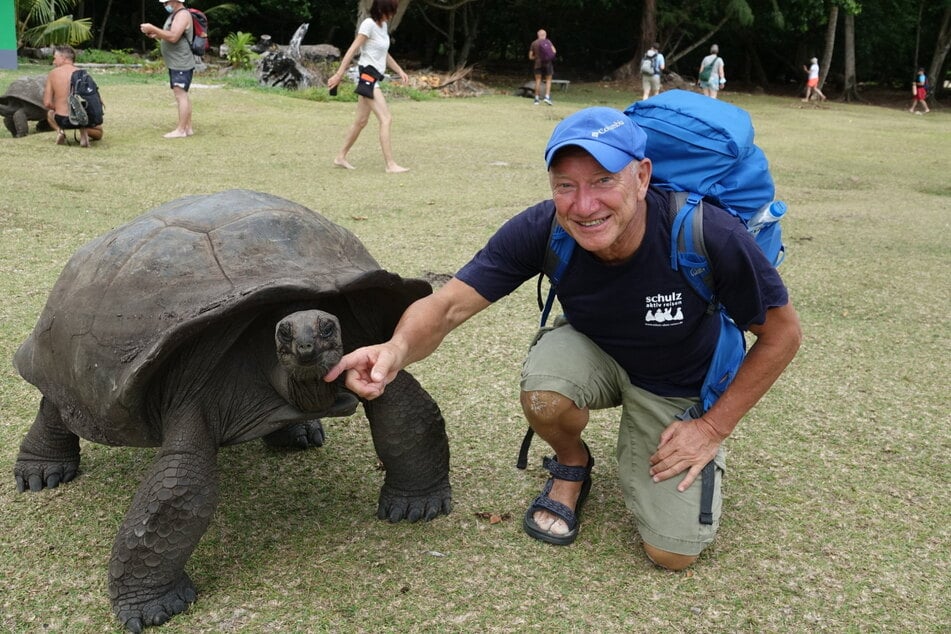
(56, 93)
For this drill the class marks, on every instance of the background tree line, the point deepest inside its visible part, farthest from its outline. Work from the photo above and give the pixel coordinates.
(764, 42)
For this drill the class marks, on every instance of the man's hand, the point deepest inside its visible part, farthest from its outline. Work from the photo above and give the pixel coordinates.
(368, 370)
(686, 445)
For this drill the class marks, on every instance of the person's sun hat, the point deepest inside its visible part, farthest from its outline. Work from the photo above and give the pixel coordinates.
(608, 135)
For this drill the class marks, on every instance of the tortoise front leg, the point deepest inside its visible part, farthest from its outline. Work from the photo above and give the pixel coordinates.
(409, 435)
(169, 514)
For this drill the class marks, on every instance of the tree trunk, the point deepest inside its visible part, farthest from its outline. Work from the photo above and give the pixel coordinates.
(941, 49)
(826, 64)
(648, 26)
(851, 91)
(102, 27)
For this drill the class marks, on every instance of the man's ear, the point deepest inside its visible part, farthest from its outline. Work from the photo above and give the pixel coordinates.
(642, 173)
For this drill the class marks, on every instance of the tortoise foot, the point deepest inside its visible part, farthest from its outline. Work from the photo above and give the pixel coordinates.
(413, 506)
(36, 475)
(137, 612)
(298, 436)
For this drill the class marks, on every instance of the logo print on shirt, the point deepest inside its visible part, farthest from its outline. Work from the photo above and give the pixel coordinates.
(664, 309)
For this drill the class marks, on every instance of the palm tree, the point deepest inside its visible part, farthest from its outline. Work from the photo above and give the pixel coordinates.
(48, 22)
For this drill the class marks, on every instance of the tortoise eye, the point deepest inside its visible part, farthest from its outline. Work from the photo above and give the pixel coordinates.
(327, 329)
(284, 332)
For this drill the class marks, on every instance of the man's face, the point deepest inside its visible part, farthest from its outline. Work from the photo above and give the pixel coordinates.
(59, 59)
(601, 210)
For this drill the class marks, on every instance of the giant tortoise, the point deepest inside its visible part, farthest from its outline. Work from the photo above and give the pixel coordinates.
(22, 103)
(208, 321)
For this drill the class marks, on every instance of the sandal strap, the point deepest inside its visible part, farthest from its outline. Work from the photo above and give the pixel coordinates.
(564, 472)
(556, 507)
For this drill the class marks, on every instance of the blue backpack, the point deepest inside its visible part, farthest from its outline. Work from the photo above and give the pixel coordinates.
(701, 149)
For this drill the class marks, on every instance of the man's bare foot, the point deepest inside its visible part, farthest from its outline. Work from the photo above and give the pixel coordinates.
(176, 134)
(189, 132)
(61, 138)
(339, 162)
(396, 169)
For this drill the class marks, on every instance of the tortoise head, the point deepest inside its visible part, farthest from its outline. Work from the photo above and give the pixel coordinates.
(308, 343)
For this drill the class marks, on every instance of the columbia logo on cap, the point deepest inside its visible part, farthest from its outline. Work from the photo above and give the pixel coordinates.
(614, 126)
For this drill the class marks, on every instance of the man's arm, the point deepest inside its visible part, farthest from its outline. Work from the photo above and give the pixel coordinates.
(48, 92)
(419, 332)
(689, 445)
(178, 26)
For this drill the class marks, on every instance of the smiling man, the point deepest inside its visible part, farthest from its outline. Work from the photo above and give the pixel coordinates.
(633, 335)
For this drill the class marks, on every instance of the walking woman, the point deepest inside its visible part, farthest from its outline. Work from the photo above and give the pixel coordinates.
(373, 43)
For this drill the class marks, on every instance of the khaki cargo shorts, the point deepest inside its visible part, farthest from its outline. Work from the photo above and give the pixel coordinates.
(563, 360)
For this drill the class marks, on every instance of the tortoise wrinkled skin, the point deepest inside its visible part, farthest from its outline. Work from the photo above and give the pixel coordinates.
(205, 322)
(22, 103)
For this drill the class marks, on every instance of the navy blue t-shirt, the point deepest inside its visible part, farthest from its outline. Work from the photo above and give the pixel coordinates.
(641, 312)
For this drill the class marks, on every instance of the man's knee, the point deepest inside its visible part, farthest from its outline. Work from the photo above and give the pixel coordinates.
(545, 407)
(668, 560)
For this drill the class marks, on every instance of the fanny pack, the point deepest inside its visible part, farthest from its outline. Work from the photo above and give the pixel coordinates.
(366, 81)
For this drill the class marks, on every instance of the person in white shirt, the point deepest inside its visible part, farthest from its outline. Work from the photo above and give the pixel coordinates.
(373, 44)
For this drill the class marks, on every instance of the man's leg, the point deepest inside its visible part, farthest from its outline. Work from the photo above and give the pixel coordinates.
(668, 521)
(538, 87)
(184, 103)
(565, 375)
(548, 89)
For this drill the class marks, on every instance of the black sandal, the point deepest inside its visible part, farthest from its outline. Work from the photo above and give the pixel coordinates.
(545, 503)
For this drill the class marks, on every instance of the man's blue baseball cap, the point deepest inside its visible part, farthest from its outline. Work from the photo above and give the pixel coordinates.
(608, 135)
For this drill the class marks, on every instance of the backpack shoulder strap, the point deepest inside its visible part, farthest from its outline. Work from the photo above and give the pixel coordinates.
(688, 251)
(557, 255)
(190, 17)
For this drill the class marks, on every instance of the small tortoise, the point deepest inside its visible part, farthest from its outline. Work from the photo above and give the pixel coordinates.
(210, 321)
(22, 103)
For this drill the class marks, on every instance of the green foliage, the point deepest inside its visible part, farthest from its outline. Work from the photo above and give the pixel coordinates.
(99, 56)
(239, 45)
(48, 23)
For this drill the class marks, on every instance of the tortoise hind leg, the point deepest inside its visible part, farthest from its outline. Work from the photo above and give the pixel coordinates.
(169, 514)
(409, 435)
(49, 453)
(297, 436)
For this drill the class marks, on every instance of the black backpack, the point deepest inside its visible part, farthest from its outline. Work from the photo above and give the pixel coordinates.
(85, 104)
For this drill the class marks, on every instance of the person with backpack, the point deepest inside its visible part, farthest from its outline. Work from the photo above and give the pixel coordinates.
(652, 65)
(711, 77)
(56, 96)
(175, 41)
(542, 53)
(634, 335)
(919, 88)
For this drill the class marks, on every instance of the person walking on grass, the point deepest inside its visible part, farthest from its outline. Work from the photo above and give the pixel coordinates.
(812, 83)
(604, 352)
(372, 43)
(654, 62)
(711, 74)
(919, 88)
(175, 37)
(542, 53)
(55, 95)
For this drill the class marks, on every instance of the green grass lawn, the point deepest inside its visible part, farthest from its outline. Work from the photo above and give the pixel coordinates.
(836, 498)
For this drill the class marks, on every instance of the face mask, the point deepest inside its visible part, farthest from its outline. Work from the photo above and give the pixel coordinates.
(168, 8)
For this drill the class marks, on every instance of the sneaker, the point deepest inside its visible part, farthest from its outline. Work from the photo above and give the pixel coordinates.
(548, 101)
(536, 102)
